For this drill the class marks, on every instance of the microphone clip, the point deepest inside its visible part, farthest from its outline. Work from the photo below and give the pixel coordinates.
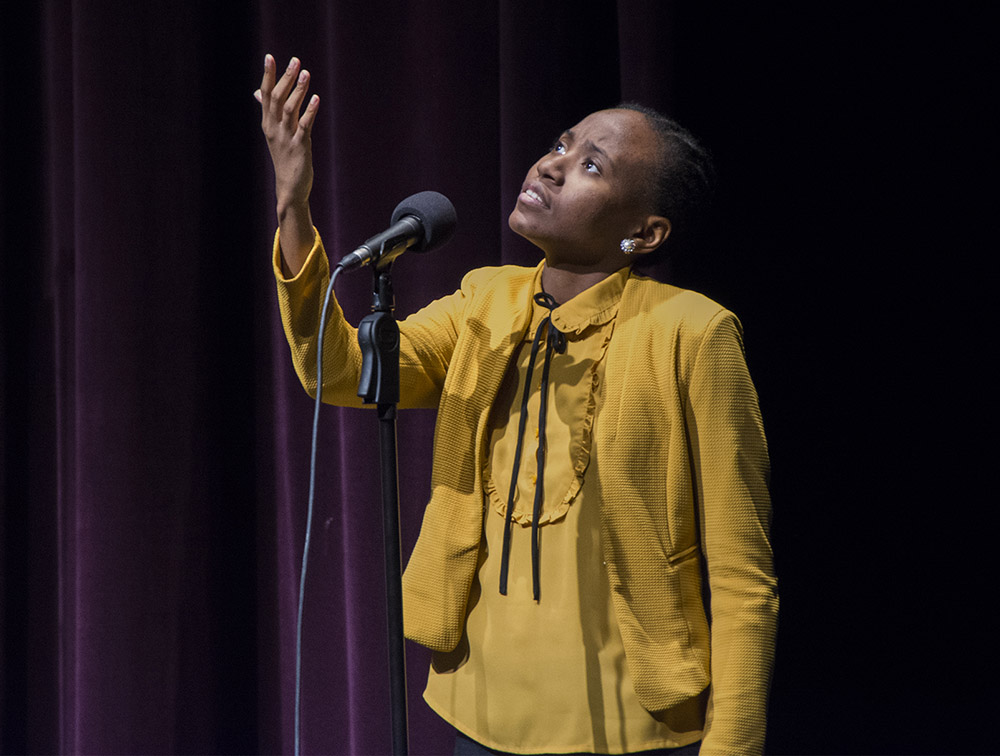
(378, 337)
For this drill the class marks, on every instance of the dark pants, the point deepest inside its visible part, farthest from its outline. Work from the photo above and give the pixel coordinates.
(466, 746)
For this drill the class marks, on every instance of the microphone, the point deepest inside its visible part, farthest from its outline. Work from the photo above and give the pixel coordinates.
(421, 222)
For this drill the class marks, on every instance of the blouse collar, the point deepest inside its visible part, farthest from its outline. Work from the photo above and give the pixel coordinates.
(595, 305)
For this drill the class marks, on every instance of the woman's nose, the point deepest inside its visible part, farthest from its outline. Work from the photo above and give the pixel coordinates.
(552, 167)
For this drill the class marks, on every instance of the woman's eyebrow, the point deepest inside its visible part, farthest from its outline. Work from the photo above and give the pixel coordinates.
(588, 145)
(591, 147)
(567, 135)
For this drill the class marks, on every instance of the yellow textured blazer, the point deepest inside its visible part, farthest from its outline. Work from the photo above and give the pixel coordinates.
(684, 471)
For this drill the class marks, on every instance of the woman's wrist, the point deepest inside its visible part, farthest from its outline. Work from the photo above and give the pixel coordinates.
(296, 237)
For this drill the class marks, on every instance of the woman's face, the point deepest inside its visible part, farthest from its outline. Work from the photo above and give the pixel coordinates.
(588, 192)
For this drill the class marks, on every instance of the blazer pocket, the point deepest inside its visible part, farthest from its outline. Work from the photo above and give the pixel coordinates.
(691, 552)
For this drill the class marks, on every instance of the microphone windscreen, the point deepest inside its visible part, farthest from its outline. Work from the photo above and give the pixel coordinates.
(436, 214)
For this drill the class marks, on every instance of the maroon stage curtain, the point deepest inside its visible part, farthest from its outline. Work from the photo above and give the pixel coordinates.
(155, 440)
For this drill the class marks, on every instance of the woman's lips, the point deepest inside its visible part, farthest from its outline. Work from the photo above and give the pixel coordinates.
(531, 196)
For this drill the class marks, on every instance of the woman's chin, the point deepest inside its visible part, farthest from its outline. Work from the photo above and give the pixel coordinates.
(515, 221)
(520, 226)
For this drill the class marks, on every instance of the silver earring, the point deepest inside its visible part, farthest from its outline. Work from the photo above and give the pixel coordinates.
(628, 246)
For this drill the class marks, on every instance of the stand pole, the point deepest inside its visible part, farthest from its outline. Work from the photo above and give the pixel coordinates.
(393, 576)
(378, 336)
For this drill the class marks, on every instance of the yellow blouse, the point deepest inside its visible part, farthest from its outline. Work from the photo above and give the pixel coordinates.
(549, 676)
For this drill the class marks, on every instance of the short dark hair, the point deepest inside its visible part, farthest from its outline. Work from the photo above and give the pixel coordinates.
(683, 182)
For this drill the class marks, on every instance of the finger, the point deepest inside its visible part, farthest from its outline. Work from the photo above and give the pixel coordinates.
(294, 102)
(309, 117)
(285, 84)
(267, 80)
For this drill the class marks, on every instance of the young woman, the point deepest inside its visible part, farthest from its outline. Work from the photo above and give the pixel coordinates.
(594, 571)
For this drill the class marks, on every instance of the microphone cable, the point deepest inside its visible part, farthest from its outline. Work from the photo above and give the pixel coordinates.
(312, 492)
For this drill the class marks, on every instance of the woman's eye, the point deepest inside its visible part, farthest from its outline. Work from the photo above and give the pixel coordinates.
(591, 167)
(559, 147)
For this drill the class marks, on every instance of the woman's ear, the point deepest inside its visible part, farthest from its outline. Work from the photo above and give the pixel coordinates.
(653, 233)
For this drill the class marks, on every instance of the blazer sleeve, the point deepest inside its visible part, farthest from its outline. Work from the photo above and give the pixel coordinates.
(427, 338)
(731, 470)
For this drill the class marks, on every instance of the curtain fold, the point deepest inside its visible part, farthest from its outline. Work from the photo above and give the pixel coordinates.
(156, 442)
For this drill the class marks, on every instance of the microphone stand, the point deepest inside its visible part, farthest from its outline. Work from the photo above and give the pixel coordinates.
(378, 336)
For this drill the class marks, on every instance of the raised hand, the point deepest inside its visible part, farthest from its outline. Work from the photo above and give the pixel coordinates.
(289, 140)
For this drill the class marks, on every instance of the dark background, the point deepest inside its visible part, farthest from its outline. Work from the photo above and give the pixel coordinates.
(155, 440)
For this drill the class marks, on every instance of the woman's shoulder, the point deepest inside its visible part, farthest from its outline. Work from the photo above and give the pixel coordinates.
(670, 306)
